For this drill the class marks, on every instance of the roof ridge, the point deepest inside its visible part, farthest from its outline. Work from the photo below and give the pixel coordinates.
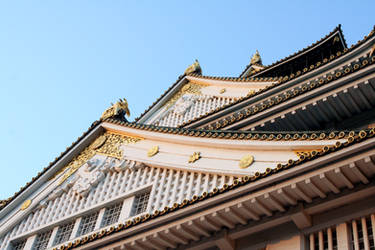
(283, 79)
(337, 28)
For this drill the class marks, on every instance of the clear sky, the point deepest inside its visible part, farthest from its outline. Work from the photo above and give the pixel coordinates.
(63, 62)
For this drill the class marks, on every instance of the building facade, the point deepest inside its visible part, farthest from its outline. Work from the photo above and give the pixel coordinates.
(281, 157)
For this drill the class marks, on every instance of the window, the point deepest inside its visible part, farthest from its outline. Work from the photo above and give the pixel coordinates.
(19, 245)
(64, 232)
(41, 240)
(88, 223)
(111, 214)
(140, 203)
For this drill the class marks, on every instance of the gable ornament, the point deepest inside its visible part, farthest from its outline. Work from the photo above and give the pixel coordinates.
(120, 108)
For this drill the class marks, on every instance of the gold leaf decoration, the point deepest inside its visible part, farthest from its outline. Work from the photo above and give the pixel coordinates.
(25, 205)
(194, 157)
(107, 144)
(246, 161)
(153, 151)
(190, 88)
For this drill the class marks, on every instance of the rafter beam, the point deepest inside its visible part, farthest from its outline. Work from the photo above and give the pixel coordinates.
(176, 236)
(358, 173)
(286, 196)
(186, 231)
(344, 178)
(329, 183)
(247, 211)
(232, 213)
(301, 193)
(223, 220)
(262, 207)
(315, 188)
(274, 202)
(199, 228)
(210, 223)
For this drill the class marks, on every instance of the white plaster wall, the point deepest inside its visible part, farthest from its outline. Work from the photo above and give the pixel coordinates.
(168, 186)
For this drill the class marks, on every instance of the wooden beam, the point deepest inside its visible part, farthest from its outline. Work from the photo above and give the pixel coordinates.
(302, 219)
(199, 228)
(287, 196)
(210, 223)
(274, 202)
(223, 220)
(151, 244)
(158, 237)
(232, 213)
(329, 183)
(262, 207)
(300, 193)
(247, 211)
(344, 178)
(186, 231)
(175, 236)
(315, 188)
(358, 173)
(226, 243)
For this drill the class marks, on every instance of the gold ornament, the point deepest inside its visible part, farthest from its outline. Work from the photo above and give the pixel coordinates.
(372, 50)
(194, 68)
(153, 151)
(246, 161)
(194, 157)
(190, 88)
(25, 205)
(116, 109)
(256, 59)
(222, 91)
(98, 142)
(108, 144)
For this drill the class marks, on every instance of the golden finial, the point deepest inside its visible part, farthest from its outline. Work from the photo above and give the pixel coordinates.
(116, 109)
(256, 59)
(194, 68)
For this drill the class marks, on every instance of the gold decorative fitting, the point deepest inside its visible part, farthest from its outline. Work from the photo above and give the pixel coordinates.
(189, 88)
(336, 39)
(119, 107)
(25, 205)
(256, 59)
(194, 157)
(246, 161)
(194, 68)
(153, 151)
(107, 144)
(222, 91)
(372, 50)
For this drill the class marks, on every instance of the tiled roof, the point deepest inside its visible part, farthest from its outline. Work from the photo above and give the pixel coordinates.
(238, 135)
(284, 79)
(337, 29)
(361, 136)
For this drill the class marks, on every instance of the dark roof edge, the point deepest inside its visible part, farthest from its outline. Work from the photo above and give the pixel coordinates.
(300, 52)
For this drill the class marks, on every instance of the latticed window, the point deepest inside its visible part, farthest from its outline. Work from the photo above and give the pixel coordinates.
(64, 232)
(140, 203)
(111, 214)
(19, 245)
(88, 223)
(41, 240)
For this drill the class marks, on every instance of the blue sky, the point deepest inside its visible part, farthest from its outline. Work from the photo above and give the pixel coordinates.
(63, 62)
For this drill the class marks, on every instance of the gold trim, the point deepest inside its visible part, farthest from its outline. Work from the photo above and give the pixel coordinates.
(194, 157)
(25, 205)
(108, 144)
(246, 161)
(153, 151)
